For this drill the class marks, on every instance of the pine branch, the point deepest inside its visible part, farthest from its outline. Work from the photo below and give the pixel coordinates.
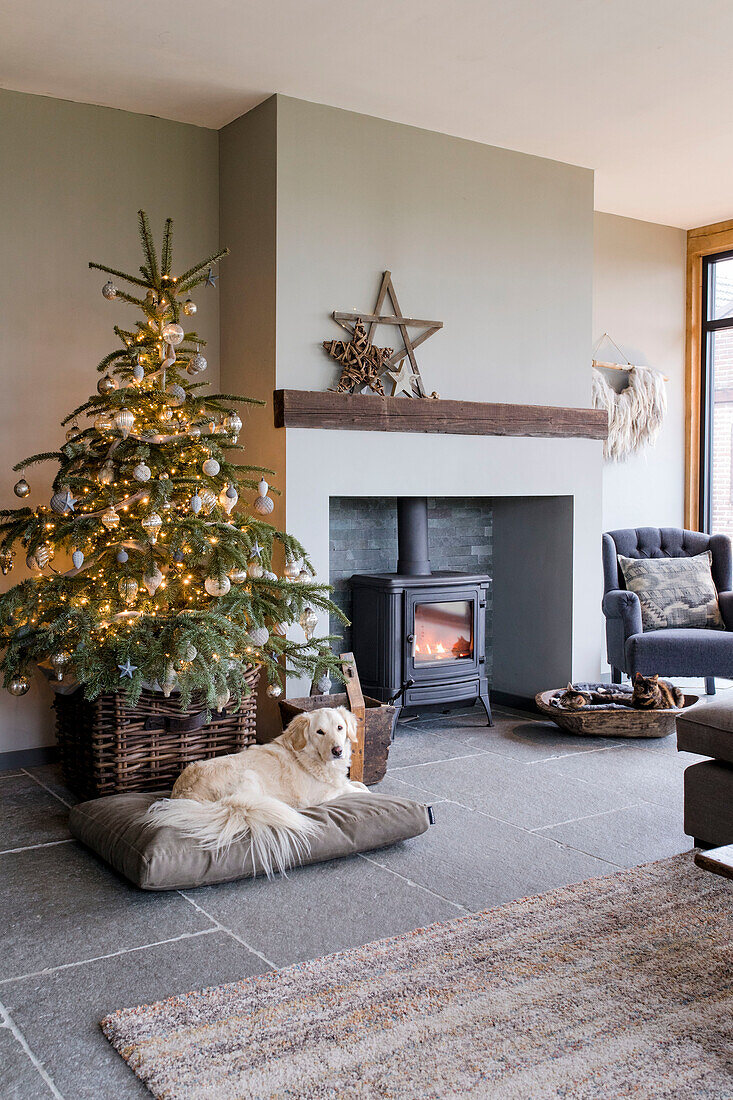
(184, 282)
(149, 248)
(119, 274)
(167, 253)
(46, 456)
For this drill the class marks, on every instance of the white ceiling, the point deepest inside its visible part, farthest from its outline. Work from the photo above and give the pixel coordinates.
(639, 90)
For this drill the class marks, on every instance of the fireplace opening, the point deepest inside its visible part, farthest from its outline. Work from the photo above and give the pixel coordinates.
(443, 632)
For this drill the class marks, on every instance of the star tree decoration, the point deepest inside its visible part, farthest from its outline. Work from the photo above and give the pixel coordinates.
(354, 324)
(362, 363)
(143, 504)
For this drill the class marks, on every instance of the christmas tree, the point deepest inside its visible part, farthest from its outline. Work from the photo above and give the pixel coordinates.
(168, 585)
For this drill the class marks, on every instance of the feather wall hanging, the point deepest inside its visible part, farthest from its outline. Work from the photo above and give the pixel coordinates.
(636, 414)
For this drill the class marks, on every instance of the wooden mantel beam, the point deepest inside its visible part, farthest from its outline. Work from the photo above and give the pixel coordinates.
(367, 413)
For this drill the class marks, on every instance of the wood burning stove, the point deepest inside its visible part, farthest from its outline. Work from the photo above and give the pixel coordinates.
(419, 637)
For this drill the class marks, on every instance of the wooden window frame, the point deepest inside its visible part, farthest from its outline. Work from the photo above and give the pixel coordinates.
(707, 240)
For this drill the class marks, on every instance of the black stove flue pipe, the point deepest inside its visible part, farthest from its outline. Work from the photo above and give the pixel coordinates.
(412, 537)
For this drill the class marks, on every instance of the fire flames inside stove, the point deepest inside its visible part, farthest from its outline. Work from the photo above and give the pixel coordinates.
(443, 631)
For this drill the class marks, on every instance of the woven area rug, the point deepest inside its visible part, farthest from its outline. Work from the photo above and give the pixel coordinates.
(619, 987)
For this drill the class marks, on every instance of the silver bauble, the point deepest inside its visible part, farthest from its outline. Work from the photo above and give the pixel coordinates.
(122, 556)
(152, 524)
(196, 504)
(254, 570)
(172, 334)
(208, 500)
(110, 519)
(109, 291)
(189, 307)
(138, 371)
(217, 586)
(127, 588)
(58, 661)
(59, 502)
(238, 576)
(141, 472)
(77, 559)
(304, 576)
(291, 570)
(104, 423)
(324, 684)
(263, 505)
(233, 423)
(124, 421)
(197, 363)
(107, 474)
(194, 431)
(269, 575)
(259, 635)
(19, 685)
(222, 698)
(280, 628)
(153, 581)
(309, 621)
(42, 555)
(211, 467)
(21, 488)
(190, 653)
(106, 384)
(169, 681)
(72, 432)
(7, 557)
(274, 691)
(176, 395)
(165, 414)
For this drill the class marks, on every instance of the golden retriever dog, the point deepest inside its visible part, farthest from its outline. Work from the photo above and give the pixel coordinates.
(260, 791)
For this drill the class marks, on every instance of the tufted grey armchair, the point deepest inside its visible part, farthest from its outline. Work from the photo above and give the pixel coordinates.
(674, 651)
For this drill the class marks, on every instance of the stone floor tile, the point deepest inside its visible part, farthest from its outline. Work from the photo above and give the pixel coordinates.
(29, 814)
(50, 776)
(19, 1078)
(59, 1013)
(419, 745)
(630, 771)
(628, 837)
(62, 904)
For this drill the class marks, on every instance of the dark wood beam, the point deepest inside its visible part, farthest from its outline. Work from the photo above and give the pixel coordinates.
(362, 413)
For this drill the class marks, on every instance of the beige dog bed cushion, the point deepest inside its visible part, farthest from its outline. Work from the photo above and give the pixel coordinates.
(159, 858)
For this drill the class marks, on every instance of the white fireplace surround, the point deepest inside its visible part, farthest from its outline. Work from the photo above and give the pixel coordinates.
(321, 464)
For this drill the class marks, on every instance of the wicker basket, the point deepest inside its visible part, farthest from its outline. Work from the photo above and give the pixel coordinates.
(107, 747)
(380, 720)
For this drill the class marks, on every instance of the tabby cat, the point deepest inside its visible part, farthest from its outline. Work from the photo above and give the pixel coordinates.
(650, 693)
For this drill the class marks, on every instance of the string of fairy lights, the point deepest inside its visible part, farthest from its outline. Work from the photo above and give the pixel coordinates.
(167, 584)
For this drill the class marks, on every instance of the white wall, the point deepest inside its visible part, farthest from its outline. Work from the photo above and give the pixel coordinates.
(639, 298)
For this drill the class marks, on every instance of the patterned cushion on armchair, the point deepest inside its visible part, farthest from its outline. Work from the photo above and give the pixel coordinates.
(674, 592)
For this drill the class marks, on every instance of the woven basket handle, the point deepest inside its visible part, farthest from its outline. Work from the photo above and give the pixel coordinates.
(175, 725)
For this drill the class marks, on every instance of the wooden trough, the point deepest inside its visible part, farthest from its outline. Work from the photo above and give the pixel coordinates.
(611, 721)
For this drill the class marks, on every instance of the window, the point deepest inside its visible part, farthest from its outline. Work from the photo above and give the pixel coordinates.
(716, 394)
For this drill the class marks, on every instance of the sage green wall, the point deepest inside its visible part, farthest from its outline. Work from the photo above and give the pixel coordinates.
(72, 177)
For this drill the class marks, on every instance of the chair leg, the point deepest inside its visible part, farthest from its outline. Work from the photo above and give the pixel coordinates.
(616, 675)
(710, 685)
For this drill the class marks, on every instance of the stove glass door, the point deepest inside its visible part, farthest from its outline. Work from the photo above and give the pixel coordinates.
(443, 632)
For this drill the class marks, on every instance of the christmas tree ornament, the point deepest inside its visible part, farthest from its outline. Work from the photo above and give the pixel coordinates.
(107, 474)
(110, 519)
(127, 669)
(176, 395)
(228, 497)
(238, 576)
(256, 551)
(72, 432)
(104, 423)
(21, 488)
(211, 467)
(324, 684)
(196, 503)
(280, 628)
(42, 555)
(106, 384)
(190, 653)
(138, 371)
(109, 291)
(153, 580)
(77, 559)
(217, 586)
(141, 472)
(263, 504)
(63, 502)
(274, 691)
(124, 421)
(197, 363)
(7, 557)
(304, 577)
(194, 431)
(208, 500)
(189, 307)
(152, 524)
(165, 414)
(222, 698)
(211, 278)
(254, 570)
(268, 576)
(292, 569)
(309, 621)
(122, 556)
(178, 558)
(128, 589)
(58, 661)
(19, 685)
(259, 635)
(172, 334)
(169, 681)
(233, 424)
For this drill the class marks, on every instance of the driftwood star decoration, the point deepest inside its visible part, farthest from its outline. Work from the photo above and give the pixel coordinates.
(362, 363)
(377, 317)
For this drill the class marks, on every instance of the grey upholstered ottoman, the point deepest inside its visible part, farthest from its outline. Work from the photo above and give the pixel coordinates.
(707, 729)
